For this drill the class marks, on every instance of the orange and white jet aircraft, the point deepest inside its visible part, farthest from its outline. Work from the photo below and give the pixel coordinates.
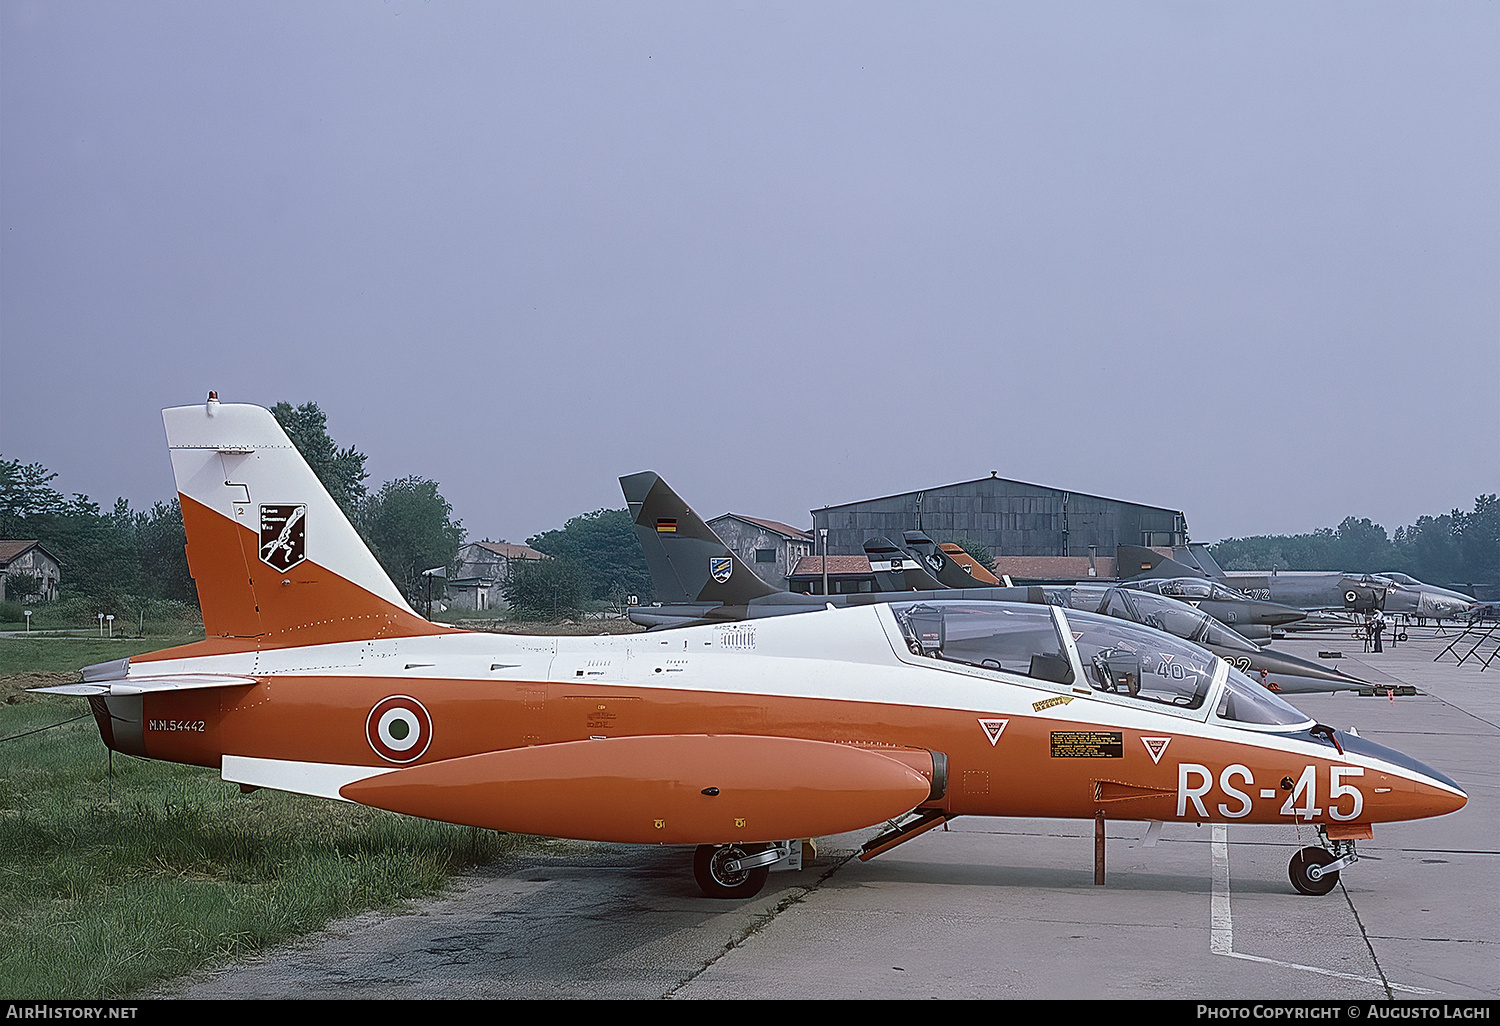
(317, 677)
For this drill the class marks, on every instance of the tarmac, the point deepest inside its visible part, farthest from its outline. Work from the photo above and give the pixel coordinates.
(989, 908)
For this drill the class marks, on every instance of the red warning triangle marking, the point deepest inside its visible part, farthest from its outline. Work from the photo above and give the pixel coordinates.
(993, 729)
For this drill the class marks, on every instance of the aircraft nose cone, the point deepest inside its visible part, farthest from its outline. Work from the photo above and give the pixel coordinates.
(1455, 802)
(1426, 800)
(1412, 789)
(1442, 606)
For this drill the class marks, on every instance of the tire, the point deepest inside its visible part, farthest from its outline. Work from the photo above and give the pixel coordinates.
(1305, 860)
(718, 882)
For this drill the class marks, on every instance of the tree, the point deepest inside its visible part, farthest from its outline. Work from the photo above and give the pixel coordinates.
(1364, 547)
(342, 471)
(1429, 549)
(26, 493)
(411, 529)
(981, 553)
(95, 549)
(544, 589)
(1479, 540)
(161, 542)
(21, 586)
(1455, 548)
(602, 544)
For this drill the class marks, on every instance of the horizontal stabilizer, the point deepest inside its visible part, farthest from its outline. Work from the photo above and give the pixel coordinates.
(661, 789)
(147, 685)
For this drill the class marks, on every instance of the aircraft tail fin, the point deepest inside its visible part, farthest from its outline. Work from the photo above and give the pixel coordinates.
(898, 570)
(1204, 560)
(979, 573)
(1136, 561)
(274, 558)
(688, 562)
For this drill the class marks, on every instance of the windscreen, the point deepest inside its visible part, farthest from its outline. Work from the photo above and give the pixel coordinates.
(1017, 638)
(1244, 701)
(1123, 659)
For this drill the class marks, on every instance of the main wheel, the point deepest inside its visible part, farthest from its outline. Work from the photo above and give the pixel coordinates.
(718, 881)
(1304, 861)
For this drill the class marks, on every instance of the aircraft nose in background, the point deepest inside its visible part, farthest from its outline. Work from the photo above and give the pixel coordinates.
(1442, 606)
(1274, 613)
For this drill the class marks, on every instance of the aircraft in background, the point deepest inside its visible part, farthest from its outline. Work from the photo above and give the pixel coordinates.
(953, 567)
(1251, 618)
(1238, 612)
(316, 677)
(895, 569)
(700, 580)
(1310, 590)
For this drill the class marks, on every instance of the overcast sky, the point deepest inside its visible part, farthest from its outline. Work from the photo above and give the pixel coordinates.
(1238, 259)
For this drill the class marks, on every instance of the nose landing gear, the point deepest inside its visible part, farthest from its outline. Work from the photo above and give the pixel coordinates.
(1315, 870)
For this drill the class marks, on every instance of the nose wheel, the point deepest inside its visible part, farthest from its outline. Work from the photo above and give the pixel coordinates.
(732, 870)
(1315, 870)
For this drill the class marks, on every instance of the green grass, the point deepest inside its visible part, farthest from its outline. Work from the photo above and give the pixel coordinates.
(117, 875)
(114, 881)
(135, 616)
(56, 654)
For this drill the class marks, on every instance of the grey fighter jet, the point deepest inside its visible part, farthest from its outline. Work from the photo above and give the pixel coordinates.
(1309, 590)
(1231, 608)
(700, 580)
(1251, 618)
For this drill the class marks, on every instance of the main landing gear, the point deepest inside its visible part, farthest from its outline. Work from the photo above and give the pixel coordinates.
(1315, 870)
(734, 870)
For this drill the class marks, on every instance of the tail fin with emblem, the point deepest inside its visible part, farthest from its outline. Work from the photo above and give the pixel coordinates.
(688, 562)
(274, 557)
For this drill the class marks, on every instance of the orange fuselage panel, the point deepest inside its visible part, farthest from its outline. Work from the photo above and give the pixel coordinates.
(1032, 766)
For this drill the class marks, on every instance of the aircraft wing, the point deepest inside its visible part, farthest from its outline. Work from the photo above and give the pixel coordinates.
(113, 678)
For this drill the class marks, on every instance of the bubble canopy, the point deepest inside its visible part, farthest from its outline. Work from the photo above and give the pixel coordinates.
(1115, 659)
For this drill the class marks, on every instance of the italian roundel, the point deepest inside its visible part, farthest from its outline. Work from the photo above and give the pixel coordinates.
(399, 729)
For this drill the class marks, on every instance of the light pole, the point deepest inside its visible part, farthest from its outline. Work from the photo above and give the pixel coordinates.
(823, 533)
(437, 571)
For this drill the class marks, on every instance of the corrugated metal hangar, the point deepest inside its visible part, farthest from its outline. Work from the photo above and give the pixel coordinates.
(1011, 518)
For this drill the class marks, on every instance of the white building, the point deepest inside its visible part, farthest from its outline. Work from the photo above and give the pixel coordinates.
(768, 547)
(483, 567)
(29, 557)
